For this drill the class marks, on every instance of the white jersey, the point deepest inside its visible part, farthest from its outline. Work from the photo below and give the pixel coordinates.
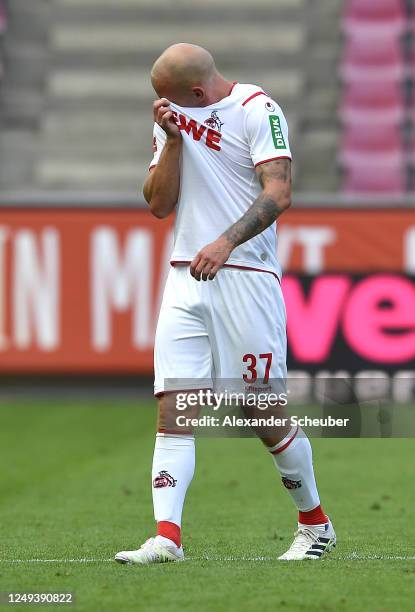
(222, 145)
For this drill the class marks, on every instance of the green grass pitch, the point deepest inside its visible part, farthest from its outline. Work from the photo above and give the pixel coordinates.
(75, 489)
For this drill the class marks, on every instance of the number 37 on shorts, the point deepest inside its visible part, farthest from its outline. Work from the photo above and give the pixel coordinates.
(251, 374)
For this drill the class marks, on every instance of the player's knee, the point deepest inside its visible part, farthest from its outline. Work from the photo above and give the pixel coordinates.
(173, 420)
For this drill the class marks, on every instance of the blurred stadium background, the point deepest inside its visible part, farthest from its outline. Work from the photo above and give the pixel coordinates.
(82, 263)
(82, 268)
(76, 97)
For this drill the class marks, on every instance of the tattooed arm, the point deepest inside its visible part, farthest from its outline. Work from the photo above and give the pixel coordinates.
(275, 180)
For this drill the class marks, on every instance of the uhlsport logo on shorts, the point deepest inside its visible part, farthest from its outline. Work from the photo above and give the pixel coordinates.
(276, 132)
(164, 479)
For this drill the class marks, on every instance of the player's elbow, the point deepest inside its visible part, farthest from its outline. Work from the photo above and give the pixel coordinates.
(146, 195)
(158, 210)
(285, 203)
(160, 214)
(281, 199)
(148, 187)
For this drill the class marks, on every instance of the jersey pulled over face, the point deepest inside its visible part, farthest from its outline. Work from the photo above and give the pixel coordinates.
(222, 145)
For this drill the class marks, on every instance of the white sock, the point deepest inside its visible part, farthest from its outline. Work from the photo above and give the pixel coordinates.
(294, 460)
(172, 473)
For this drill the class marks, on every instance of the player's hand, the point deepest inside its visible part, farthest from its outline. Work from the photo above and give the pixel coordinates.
(210, 259)
(163, 115)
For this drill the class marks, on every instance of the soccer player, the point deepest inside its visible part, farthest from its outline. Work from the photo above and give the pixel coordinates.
(222, 161)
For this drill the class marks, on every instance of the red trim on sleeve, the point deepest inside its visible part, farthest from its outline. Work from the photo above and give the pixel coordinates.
(272, 159)
(258, 93)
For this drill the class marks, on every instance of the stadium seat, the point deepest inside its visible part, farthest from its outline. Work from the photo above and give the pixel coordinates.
(372, 102)
(383, 174)
(3, 18)
(374, 10)
(368, 59)
(371, 139)
(61, 65)
(373, 16)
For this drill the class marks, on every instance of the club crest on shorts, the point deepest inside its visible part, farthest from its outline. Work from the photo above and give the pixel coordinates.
(164, 479)
(214, 122)
(291, 484)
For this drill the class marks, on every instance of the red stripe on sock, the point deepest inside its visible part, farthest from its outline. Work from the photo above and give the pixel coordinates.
(170, 531)
(286, 445)
(313, 517)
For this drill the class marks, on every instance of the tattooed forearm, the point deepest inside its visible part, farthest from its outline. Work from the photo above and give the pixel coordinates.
(275, 179)
(261, 215)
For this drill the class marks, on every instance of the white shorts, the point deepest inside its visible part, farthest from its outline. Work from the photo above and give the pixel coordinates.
(231, 328)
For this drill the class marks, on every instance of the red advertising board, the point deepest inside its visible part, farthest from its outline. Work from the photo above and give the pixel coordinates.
(80, 288)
